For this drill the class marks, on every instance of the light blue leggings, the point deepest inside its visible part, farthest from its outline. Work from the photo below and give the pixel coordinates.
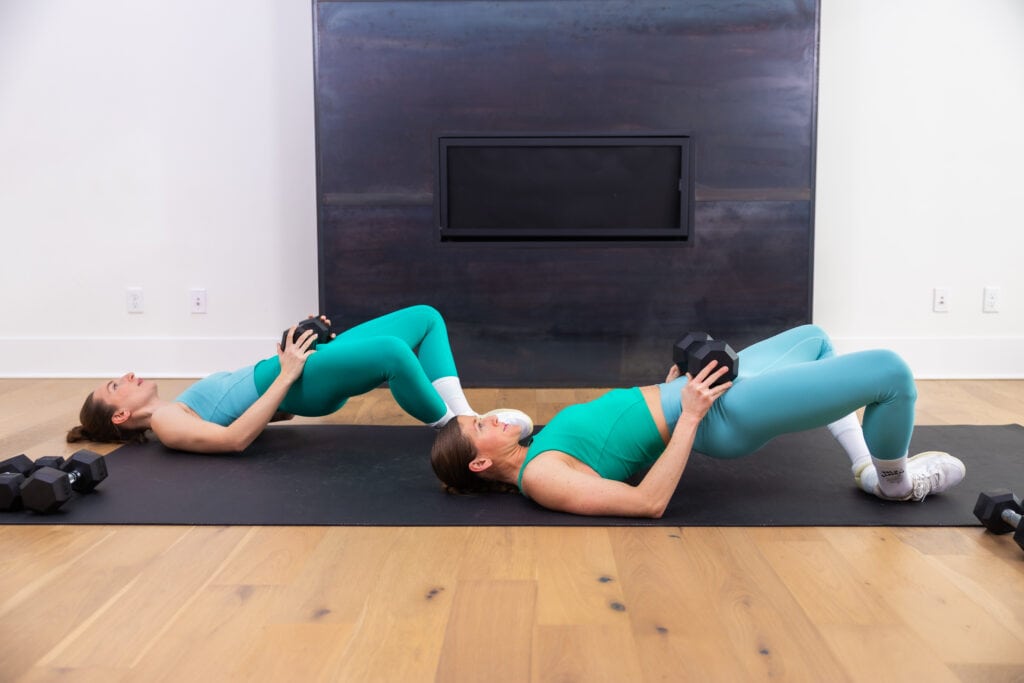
(794, 381)
(408, 349)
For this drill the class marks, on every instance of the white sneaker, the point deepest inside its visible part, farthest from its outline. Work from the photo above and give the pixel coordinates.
(934, 472)
(866, 477)
(929, 472)
(513, 418)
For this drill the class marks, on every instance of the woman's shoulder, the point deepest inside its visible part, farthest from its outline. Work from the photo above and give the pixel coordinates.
(557, 480)
(544, 463)
(171, 412)
(176, 406)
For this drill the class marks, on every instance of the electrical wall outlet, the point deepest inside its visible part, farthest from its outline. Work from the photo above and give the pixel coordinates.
(197, 300)
(990, 300)
(940, 300)
(134, 302)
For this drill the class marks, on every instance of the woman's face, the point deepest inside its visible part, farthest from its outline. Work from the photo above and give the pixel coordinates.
(127, 392)
(488, 434)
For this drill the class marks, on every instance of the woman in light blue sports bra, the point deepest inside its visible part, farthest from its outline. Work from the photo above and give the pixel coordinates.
(226, 411)
(581, 461)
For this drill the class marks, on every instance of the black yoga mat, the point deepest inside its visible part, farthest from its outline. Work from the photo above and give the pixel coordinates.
(380, 476)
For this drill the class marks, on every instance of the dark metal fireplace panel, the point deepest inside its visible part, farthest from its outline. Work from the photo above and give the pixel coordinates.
(736, 79)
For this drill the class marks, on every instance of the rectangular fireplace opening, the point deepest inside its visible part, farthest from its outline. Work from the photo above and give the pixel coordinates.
(564, 187)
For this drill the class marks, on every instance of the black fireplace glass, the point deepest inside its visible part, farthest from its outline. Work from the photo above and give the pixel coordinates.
(565, 187)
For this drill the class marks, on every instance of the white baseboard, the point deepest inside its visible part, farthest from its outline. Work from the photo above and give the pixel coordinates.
(929, 358)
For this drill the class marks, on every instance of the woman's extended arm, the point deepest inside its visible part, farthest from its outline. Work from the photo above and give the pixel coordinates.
(181, 430)
(555, 484)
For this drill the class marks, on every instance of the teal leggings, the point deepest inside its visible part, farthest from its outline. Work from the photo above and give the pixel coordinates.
(408, 349)
(794, 381)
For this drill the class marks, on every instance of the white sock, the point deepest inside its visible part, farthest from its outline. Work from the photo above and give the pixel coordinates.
(847, 431)
(893, 479)
(445, 419)
(450, 389)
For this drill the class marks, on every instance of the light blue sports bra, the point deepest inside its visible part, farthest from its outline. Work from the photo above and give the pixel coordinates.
(223, 396)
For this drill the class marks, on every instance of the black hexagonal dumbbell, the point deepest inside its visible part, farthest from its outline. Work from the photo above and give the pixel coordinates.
(19, 464)
(1000, 511)
(697, 349)
(48, 488)
(14, 471)
(322, 333)
(12, 475)
(10, 490)
(54, 461)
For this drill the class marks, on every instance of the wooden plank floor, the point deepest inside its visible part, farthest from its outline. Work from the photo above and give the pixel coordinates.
(191, 604)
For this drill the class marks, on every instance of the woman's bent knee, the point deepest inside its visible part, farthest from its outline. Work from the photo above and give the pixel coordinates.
(896, 371)
(427, 311)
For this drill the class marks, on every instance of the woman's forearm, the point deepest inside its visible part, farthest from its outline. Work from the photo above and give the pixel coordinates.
(255, 419)
(660, 482)
(697, 398)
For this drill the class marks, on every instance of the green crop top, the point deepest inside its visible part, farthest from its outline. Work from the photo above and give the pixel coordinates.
(614, 434)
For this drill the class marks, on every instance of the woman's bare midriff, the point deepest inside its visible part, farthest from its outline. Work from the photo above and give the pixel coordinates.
(652, 396)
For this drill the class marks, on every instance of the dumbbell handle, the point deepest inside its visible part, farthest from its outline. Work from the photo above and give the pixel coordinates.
(1010, 517)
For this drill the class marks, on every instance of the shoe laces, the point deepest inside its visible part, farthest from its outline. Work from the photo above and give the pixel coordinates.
(925, 481)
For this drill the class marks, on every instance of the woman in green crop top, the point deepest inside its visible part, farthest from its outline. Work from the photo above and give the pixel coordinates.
(580, 462)
(225, 412)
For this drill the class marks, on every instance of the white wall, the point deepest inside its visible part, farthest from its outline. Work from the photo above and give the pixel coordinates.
(920, 181)
(166, 145)
(169, 145)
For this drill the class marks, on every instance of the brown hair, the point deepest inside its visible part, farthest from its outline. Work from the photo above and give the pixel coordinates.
(450, 457)
(98, 425)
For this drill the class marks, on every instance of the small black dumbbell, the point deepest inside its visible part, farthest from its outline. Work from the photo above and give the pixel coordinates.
(54, 461)
(697, 349)
(15, 471)
(10, 490)
(1000, 511)
(12, 475)
(49, 488)
(322, 333)
(685, 346)
(19, 464)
